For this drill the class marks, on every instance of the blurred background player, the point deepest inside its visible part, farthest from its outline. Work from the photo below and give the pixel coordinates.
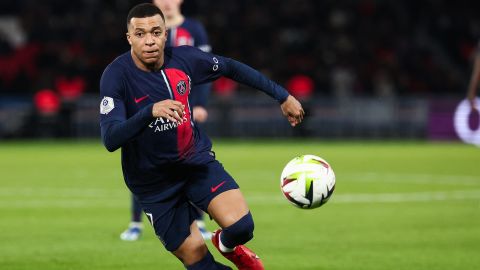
(473, 85)
(181, 31)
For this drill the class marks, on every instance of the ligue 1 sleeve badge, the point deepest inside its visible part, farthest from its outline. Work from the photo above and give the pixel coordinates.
(106, 105)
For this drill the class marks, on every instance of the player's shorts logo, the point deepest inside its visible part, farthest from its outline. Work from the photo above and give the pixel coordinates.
(215, 188)
(106, 105)
(150, 217)
(182, 87)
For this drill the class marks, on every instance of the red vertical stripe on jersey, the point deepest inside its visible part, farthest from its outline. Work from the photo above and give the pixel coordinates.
(180, 85)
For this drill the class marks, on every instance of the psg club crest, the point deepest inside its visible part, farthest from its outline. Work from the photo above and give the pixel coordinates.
(181, 87)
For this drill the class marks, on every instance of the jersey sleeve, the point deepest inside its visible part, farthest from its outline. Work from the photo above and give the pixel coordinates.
(207, 67)
(244, 74)
(203, 67)
(112, 93)
(116, 129)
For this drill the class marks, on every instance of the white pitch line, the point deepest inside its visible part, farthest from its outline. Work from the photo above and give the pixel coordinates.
(467, 180)
(60, 192)
(407, 197)
(88, 198)
(61, 204)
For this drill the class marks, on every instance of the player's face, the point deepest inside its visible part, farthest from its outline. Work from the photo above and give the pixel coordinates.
(170, 8)
(147, 37)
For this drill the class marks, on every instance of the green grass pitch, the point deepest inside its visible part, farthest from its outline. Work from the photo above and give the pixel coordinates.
(397, 205)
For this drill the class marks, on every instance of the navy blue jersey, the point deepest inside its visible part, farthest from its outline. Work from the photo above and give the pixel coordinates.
(151, 146)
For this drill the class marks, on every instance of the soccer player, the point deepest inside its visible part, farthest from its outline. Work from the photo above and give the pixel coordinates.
(181, 31)
(473, 85)
(167, 162)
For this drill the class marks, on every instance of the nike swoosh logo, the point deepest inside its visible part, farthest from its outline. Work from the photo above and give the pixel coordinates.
(138, 100)
(213, 189)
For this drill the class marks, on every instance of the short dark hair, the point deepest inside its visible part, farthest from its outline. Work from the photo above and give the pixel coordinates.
(144, 10)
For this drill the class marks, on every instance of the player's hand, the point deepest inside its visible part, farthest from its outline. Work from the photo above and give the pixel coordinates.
(170, 109)
(292, 109)
(200, 114)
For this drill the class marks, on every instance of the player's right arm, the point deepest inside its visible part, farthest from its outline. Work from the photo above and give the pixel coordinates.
(116, 129)
(473, 85)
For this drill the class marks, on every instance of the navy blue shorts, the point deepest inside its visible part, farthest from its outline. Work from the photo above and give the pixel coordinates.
(170, 210)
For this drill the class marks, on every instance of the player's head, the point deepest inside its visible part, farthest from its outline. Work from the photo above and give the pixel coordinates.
(146, 34)
(171, 8)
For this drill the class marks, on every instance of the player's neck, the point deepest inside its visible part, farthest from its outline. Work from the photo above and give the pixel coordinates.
(174, 21)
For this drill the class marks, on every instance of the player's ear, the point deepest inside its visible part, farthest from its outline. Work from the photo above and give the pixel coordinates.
(128, 38)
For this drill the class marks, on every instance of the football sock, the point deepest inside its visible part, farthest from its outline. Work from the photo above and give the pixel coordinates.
(237, 234)
(136, 210)
(208, 263)
(134, 224)
(222, 247)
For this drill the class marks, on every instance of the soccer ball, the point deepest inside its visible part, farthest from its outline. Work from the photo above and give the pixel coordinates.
(307, 181)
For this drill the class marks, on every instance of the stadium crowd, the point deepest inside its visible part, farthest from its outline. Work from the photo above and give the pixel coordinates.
(340, 48)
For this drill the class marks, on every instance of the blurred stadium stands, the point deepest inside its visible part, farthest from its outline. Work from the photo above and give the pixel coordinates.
(380, 68)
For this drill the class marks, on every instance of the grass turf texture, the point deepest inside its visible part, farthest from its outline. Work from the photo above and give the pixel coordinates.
(397, 205)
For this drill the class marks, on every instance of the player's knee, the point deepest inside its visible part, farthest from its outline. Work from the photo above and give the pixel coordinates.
(240, 232)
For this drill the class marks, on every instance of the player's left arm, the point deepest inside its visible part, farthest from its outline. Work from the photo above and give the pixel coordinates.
(206, 67)
(291, 107)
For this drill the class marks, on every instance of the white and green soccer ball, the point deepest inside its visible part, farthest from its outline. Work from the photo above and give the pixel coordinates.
(307, 181)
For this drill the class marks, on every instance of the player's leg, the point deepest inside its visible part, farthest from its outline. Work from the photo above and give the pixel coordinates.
(228, 207)
(134, 230)
(215, 191)
(231, 212)
(193, 248)
(194, 253)
(174, 224)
